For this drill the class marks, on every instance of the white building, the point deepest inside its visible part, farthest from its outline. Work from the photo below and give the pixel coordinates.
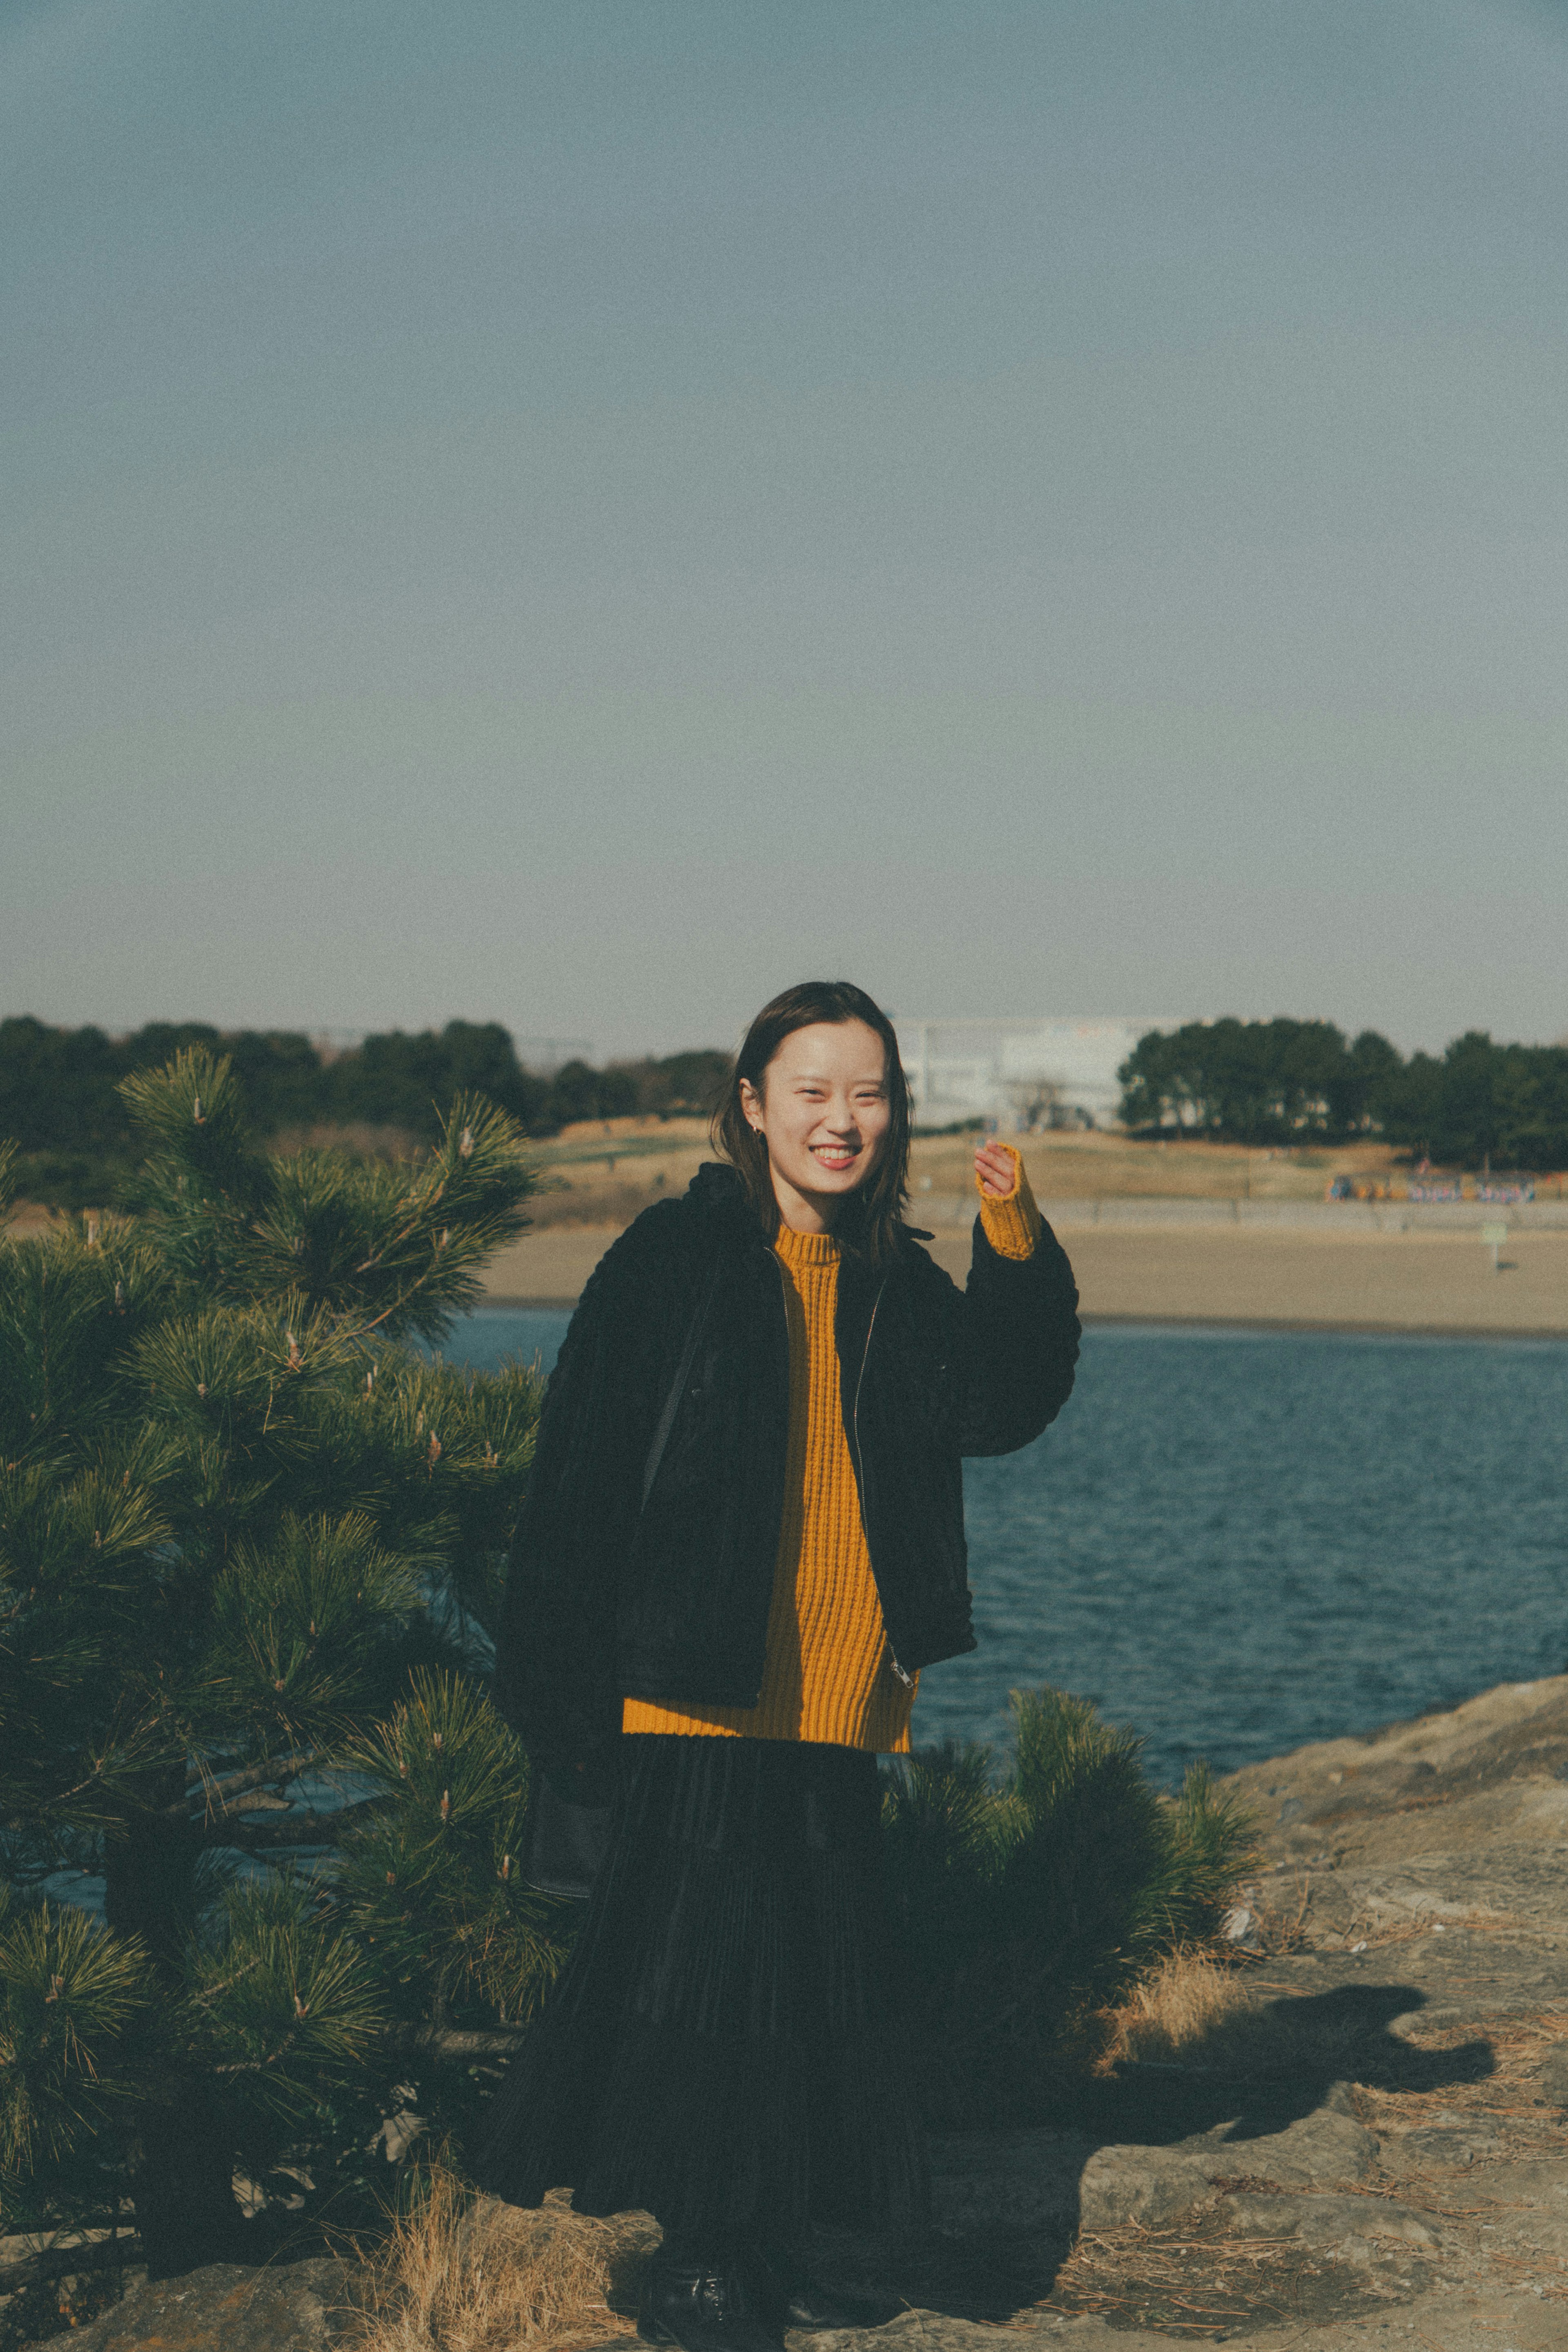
(1022, 1073)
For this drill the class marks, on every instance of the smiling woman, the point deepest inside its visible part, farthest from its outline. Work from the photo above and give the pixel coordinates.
(744, 1539)
(815, 1120)
(823, 1117)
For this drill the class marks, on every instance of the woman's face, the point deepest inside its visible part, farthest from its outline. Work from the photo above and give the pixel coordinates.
(824, 1110)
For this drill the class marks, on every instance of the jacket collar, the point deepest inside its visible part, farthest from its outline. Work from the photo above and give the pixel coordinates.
(716, 1189)
(717, 1195)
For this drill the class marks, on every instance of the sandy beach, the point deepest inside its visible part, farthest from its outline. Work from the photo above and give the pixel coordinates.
(1422, 1281)
(1188, 1233)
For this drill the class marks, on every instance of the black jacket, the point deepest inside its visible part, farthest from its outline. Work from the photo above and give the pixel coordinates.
(608, 1599)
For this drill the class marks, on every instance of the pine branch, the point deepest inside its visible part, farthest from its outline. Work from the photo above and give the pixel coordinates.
(73, 2249)
(213, 1992)
(310, 1828)
(281, 1770)
(450, 2041)
(113, 1766)
(422, 1208)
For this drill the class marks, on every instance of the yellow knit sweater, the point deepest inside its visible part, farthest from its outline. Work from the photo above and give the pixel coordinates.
(828, 1674)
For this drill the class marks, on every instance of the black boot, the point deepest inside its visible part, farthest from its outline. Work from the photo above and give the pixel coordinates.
(703, 2303)
(793, 2298)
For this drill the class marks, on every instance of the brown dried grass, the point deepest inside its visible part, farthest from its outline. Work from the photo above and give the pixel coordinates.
(1377, 1933)
(1197, 2282)
(1197, 2009)
(1178, 2007)
(462, 2273)
(613, 1203)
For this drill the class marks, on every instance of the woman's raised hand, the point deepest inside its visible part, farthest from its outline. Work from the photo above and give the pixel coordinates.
(997, 1169)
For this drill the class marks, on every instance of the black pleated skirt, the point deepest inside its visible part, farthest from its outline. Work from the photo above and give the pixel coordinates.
(727, 2047)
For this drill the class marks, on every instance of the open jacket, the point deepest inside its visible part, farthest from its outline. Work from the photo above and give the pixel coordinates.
(610, 1598)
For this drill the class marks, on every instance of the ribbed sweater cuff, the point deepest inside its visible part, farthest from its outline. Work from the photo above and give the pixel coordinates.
(1012, 1226)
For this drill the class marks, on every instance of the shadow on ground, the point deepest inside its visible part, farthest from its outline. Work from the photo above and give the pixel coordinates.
(1189, 2271)
(1298, 2048)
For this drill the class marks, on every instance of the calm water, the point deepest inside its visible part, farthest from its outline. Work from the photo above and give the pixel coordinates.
(1236, 1541)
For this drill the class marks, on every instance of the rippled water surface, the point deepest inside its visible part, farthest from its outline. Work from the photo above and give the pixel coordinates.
(1236, 1541)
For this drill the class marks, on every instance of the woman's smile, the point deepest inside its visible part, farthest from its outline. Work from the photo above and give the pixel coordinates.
(824, 1112)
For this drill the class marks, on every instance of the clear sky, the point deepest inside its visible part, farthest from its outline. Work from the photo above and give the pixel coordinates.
(582, 513)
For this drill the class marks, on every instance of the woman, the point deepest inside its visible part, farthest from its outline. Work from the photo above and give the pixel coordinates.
(743, 1539)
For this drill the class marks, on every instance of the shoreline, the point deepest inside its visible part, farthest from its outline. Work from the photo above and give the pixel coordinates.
(1547, 1335)
(1246, 1274)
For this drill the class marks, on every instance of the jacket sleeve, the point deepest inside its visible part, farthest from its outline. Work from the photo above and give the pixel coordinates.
(555, 1654)
(1018, 1330)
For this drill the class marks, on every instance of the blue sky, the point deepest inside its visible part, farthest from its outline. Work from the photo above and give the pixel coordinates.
(581, 514)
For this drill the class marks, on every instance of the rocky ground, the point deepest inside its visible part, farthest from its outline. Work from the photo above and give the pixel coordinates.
(1367, 2145)
(1375, 2149)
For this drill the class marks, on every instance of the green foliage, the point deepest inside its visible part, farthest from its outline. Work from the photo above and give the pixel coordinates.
(281, 2007)
(395, 1250)
(434, 1877)
(1480, 1100)
(68, 1995)
(1258, 1081)
(59, 1087)
(1208, 1850)
(688, 1083)
(1300, 1081)
(1026, 1908)
(237, 1509)
(63, 1099)
(298, 1631)
(394, 1079)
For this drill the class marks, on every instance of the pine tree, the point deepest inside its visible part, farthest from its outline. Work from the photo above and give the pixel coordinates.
(252, 1542)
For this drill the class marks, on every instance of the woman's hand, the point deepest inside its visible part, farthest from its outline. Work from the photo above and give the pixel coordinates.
(996, 1170)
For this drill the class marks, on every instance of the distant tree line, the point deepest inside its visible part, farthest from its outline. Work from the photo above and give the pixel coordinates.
(1303, 1081)
(59, 1099)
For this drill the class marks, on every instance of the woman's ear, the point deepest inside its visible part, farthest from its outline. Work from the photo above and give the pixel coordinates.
(751, 1104)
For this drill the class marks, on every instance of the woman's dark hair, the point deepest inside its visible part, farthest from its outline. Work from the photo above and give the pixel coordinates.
(869, 1222)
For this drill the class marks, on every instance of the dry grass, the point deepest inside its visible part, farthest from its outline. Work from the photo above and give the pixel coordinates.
(1196, 2010)
(1178, 2007)
(1518, 2046)
(1108, 1165)
(1069, 1165)
(469, 2274)
(1375, 1932)
(607, 1202)
(1195, 2281)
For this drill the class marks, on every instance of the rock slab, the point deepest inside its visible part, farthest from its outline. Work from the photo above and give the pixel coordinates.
(290, 2307)
(1027, 2181)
